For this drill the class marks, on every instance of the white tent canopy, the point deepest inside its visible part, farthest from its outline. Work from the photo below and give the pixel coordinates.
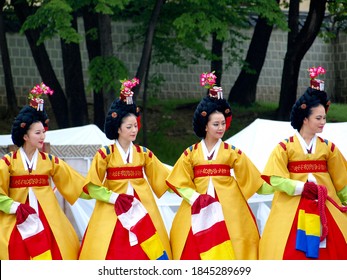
(259, 138)
(82, 135)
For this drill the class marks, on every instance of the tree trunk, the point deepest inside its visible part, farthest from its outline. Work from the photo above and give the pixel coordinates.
(144, 107)
(44, 66)
(90, 20)
(106, 51)
(12, 109)
(143, 69)
(217, 64)
(147, 46)
(299, 43)
(245, 87)
(74, 85)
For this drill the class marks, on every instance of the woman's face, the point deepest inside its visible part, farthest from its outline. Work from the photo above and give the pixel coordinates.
(128, 129)
(315, 122)
(216, 126)
(35, 136)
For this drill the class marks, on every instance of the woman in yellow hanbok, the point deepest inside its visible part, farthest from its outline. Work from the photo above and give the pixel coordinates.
(123, 178)
(309, 178)
(215, 180)
(32, 222)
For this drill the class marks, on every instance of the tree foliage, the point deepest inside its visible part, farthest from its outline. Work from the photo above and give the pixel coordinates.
(181, 32)
(243, 91)
(57, 18)
(103, 71)
(53, 18)
(336, 20)
(300, 39)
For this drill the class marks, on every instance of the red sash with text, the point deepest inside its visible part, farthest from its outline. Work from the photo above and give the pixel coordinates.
(211, 170)
(126, 172)
(26, 181)
(307, 166)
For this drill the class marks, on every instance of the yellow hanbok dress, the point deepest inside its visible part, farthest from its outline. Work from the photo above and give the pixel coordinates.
(193, 170)
(288, 160)
(16, 183)
(146, 174)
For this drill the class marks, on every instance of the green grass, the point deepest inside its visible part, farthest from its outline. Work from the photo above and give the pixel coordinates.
(169, 128)
(337, 113)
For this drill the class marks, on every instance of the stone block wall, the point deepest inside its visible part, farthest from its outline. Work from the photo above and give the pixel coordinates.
(184, 83)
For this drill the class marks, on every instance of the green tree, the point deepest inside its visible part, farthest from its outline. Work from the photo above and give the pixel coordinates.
(105, 69)
(244, 89)
(59, 18)
(145, 62)
(12, 108)
(299, 42)
(58, 100)
(92, 37)
(332, 27)
(149, 14)
(73, 77)
(188, 31)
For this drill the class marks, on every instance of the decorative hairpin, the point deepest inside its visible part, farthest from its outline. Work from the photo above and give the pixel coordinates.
(314, 73)
(35, 95)
(126, 94)
(208, 80)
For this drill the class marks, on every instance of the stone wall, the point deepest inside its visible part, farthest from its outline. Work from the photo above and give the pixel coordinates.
(184, 83)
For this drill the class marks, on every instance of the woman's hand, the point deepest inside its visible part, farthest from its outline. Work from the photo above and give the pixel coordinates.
(310, 190)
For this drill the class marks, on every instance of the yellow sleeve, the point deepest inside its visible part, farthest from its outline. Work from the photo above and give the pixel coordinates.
(181, 178)
(5, 163)
(5, 201)
(277, 162)
(97, 171)
(67, 180)
(156, 172)
(246, 173)
(337, 166)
